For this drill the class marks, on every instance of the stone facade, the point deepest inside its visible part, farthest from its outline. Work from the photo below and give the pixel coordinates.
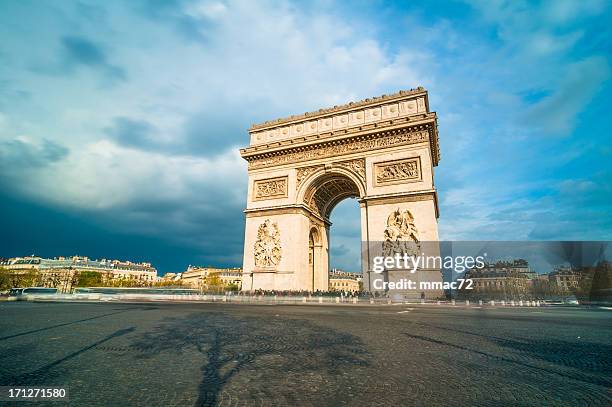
(381, 151)
(62, 272)
(202, 277)
(343, 284)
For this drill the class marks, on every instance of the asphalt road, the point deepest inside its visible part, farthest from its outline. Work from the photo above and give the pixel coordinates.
(218, 354)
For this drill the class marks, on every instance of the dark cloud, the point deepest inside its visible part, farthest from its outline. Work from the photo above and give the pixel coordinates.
(77, 52)
(133, 133)
(18, 153)
(10, 94)
(190, 27)
(213, 234)
(203, 225)
(203, 134)
(80, 51)
(93, 13)
(214, 131)
(59, 233)
(340, 250)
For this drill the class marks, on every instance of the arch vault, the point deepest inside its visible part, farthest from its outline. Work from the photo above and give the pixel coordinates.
(381, 151)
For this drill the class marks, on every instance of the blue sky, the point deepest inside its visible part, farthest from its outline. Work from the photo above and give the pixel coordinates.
(120, 121)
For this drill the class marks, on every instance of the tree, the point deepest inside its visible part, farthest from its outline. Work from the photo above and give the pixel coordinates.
(213, 281)
(5, 280)
(89, 279)
(545, 289)
(18, 278)
(233, 287)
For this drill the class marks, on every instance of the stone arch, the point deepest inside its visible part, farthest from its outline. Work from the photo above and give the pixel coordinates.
(316, 258)
(325, 188)
(315, 235)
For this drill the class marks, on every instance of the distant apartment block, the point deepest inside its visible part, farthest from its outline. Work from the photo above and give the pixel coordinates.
(565, 278)
(509, 277)
(344, 281)
(61, 272)
(204, 277)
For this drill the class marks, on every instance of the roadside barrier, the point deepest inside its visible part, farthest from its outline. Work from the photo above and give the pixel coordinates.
(301, 298)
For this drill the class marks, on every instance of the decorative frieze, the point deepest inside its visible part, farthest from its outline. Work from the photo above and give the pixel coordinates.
(398, 171)
(270, 188)
(341, 147)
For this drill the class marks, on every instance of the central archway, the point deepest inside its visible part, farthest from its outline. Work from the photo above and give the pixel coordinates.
(323, 188)
(322, 191)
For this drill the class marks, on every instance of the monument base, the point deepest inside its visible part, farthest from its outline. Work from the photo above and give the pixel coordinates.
(402, 284)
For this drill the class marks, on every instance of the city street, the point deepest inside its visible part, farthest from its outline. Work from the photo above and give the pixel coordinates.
(222, 354)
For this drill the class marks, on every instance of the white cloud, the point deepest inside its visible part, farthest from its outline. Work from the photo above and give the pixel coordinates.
(206, 9)
(557, 113)
(103, 175)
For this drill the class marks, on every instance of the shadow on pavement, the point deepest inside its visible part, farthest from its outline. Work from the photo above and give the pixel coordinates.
(280, 351)
(537, 349)
(42, 375)
(3, 338)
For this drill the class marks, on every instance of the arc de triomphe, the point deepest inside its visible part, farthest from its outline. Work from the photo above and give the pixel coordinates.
(380, 150)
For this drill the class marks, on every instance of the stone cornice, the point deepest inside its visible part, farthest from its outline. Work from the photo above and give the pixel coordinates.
(336, 109)
(407, 197)
(284, 210)
(287, 153)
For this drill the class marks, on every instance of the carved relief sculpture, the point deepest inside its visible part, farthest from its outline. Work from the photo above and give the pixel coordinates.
(271, 188)
(397, 171)
(357, 166)
(340, 148)
(401, 235)
(267, 248)
(304, 172)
